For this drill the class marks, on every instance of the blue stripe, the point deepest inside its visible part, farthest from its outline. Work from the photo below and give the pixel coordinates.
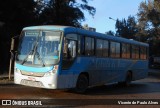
(55, 57)
(34, 69)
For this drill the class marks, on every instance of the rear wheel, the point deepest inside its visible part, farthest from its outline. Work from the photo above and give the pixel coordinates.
(82, 83)
(127, 81)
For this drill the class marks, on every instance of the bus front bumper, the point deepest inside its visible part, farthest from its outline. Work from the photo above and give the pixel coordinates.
(49, 82)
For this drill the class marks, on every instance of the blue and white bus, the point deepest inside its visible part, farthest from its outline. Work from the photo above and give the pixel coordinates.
(58, 57)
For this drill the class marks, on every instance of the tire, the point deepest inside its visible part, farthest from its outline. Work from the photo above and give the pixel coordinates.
(127, 81)
(82, 84)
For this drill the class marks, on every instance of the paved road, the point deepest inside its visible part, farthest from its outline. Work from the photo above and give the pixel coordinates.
(148, 88)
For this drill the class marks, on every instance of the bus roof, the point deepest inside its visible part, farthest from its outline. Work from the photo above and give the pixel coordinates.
(70, 29)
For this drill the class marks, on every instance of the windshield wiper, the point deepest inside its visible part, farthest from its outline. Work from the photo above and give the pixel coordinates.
(30, 53)
(39, 58)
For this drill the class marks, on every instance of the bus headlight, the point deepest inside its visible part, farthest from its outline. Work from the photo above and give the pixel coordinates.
(51, 72)
(48, 74)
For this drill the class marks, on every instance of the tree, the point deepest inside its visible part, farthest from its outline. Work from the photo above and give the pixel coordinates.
(65, 12)
(111, 33)
(126, 28)
(149, 18)
(149, 24)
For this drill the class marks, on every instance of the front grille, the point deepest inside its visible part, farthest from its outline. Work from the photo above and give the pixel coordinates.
(35, 74)
(32, 83)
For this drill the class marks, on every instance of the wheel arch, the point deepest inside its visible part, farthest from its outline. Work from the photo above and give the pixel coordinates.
(86, 74)
(83, 79)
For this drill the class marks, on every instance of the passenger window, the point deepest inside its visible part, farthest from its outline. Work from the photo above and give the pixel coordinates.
(125, 50)
(143, 52)
(69, 49)
(89, 46)
(105, 48)
(99, 47)
(115, 49)
(135, 52)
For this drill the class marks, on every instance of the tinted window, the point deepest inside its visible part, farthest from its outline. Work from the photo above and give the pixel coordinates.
(143, 52)
(99, 46)
(105, 48)
(125, 50)
(89, 46)
(115, 49)
(135, 52)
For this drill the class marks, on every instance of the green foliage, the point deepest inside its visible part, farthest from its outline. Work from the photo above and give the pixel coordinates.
(111, 33)
(65, 12)
(149, 24)
(126, 28)
(149, 17)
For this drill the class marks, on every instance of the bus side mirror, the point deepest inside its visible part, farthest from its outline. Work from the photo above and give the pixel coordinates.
(14, 43)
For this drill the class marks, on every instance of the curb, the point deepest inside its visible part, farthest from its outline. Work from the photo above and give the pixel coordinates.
(5, 81)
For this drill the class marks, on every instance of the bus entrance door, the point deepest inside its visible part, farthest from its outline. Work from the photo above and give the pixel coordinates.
(69, 53)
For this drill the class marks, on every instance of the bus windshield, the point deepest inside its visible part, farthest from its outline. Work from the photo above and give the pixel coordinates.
(39, 48)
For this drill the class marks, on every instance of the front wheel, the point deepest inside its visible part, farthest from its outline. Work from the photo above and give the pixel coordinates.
(82, 84)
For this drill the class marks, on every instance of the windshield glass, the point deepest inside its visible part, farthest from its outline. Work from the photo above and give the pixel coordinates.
(39, 48)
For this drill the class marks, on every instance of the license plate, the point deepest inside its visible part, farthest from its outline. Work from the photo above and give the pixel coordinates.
(32, 83)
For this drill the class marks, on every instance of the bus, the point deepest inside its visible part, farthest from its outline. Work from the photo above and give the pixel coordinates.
(62, 57)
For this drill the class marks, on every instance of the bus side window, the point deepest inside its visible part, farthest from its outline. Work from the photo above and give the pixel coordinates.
(72, 48)
(115, 49)
(69, 50)
(112, 49)
(89, 46)
(143, 53)
(82, 38)
(135, 52)
(99, 47)
(125, 50)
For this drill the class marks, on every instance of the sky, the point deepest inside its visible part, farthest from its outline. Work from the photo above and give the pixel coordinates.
(116, 9)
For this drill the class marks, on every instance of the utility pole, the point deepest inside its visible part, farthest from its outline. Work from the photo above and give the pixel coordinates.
(11, 58)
